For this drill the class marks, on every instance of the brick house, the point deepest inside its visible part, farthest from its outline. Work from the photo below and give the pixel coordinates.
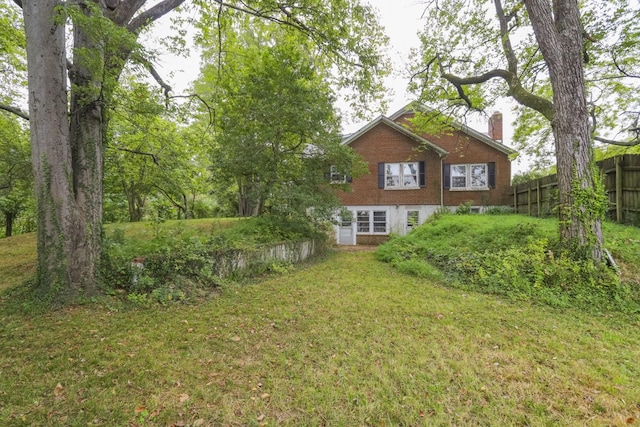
(413, 175)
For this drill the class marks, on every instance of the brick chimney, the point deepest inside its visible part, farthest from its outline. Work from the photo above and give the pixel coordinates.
(495, 126)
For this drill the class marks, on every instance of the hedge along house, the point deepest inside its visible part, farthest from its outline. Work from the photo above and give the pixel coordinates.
(413, 175)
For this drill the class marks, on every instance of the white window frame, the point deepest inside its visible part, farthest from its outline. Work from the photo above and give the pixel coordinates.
(400, 175)
(410, 216)
(372, 221)
(335, 176)
(466, 174)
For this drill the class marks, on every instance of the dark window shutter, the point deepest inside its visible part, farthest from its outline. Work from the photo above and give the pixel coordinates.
(327, 176)
(491, 171)
(423, 176)
(349, 179)
(380, 175)
(446, 175)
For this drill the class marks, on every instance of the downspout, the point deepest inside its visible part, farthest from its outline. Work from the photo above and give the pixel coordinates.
(441, 184)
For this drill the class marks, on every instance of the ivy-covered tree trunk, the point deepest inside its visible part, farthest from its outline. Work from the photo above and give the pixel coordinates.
(66, 157)
(559, 34)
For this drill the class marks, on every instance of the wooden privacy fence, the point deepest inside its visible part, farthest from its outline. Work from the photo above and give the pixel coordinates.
(621, 176)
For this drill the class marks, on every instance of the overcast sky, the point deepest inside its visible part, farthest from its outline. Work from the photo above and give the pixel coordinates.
(401, 19)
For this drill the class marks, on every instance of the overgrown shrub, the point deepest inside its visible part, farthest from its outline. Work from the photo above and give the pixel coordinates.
(175, 263)
(464, 208)
(516, 256)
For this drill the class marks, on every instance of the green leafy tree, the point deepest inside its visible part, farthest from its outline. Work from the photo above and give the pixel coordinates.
(151, 156)
(537, 52)
(68, 123)
(276, 129)
(15, 164)
(15, 172)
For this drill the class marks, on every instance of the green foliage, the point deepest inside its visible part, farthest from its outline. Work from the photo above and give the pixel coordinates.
(514, 256)
(462, 39)
(343, 37)
(464, 208)
(101, 42)
(16, 179)
(499, 210)
(265, 148)
(154, 167)
(588, 209)
(12, 54)
(531, 175)
(180, 263)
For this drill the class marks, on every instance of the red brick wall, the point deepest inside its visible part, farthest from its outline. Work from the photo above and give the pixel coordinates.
(384, 144)
(464, 149)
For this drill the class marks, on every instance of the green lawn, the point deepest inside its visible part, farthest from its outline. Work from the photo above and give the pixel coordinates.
(346, 341)
(18, 253)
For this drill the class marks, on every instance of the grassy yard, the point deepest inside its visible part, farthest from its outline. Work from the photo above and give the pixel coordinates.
(18, 253)
(346, 341)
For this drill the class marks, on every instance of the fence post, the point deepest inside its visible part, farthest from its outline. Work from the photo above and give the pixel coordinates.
(619, 190)
(538, 198)
(529, 200)
(515, 198)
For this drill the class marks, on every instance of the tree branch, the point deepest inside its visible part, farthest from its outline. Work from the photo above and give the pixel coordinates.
(512, 61)
(212, 111)
(520, 94)
(152, 14)
(165, 87)
(125, 11)
(142, 153)
(171, 199)
(15, 110)
(316, 36)
(631, 143)
(620, 69)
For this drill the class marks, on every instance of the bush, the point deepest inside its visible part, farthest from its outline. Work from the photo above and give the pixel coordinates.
(515, 257)
(177, 263)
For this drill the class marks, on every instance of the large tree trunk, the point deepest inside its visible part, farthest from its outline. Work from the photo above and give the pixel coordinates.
(559, 35)
(67, 145)
(67, 163)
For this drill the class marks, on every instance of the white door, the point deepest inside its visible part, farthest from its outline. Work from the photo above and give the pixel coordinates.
(346, 232)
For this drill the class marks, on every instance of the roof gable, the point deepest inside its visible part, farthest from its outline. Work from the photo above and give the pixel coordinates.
(457, 125)
(398, 128)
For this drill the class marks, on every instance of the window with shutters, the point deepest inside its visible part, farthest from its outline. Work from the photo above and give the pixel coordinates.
(401, 175)
(336, 177)
(476, 176)
(398, 176)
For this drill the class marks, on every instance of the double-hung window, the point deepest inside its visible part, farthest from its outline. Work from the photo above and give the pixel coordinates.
(370, 222)
(401, 175)
(475, 176)
(336, 177)
(405, 175)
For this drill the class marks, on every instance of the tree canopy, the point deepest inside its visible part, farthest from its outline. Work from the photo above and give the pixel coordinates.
(566, 64)
(475, 53)
(88, 45)
(275, 132)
